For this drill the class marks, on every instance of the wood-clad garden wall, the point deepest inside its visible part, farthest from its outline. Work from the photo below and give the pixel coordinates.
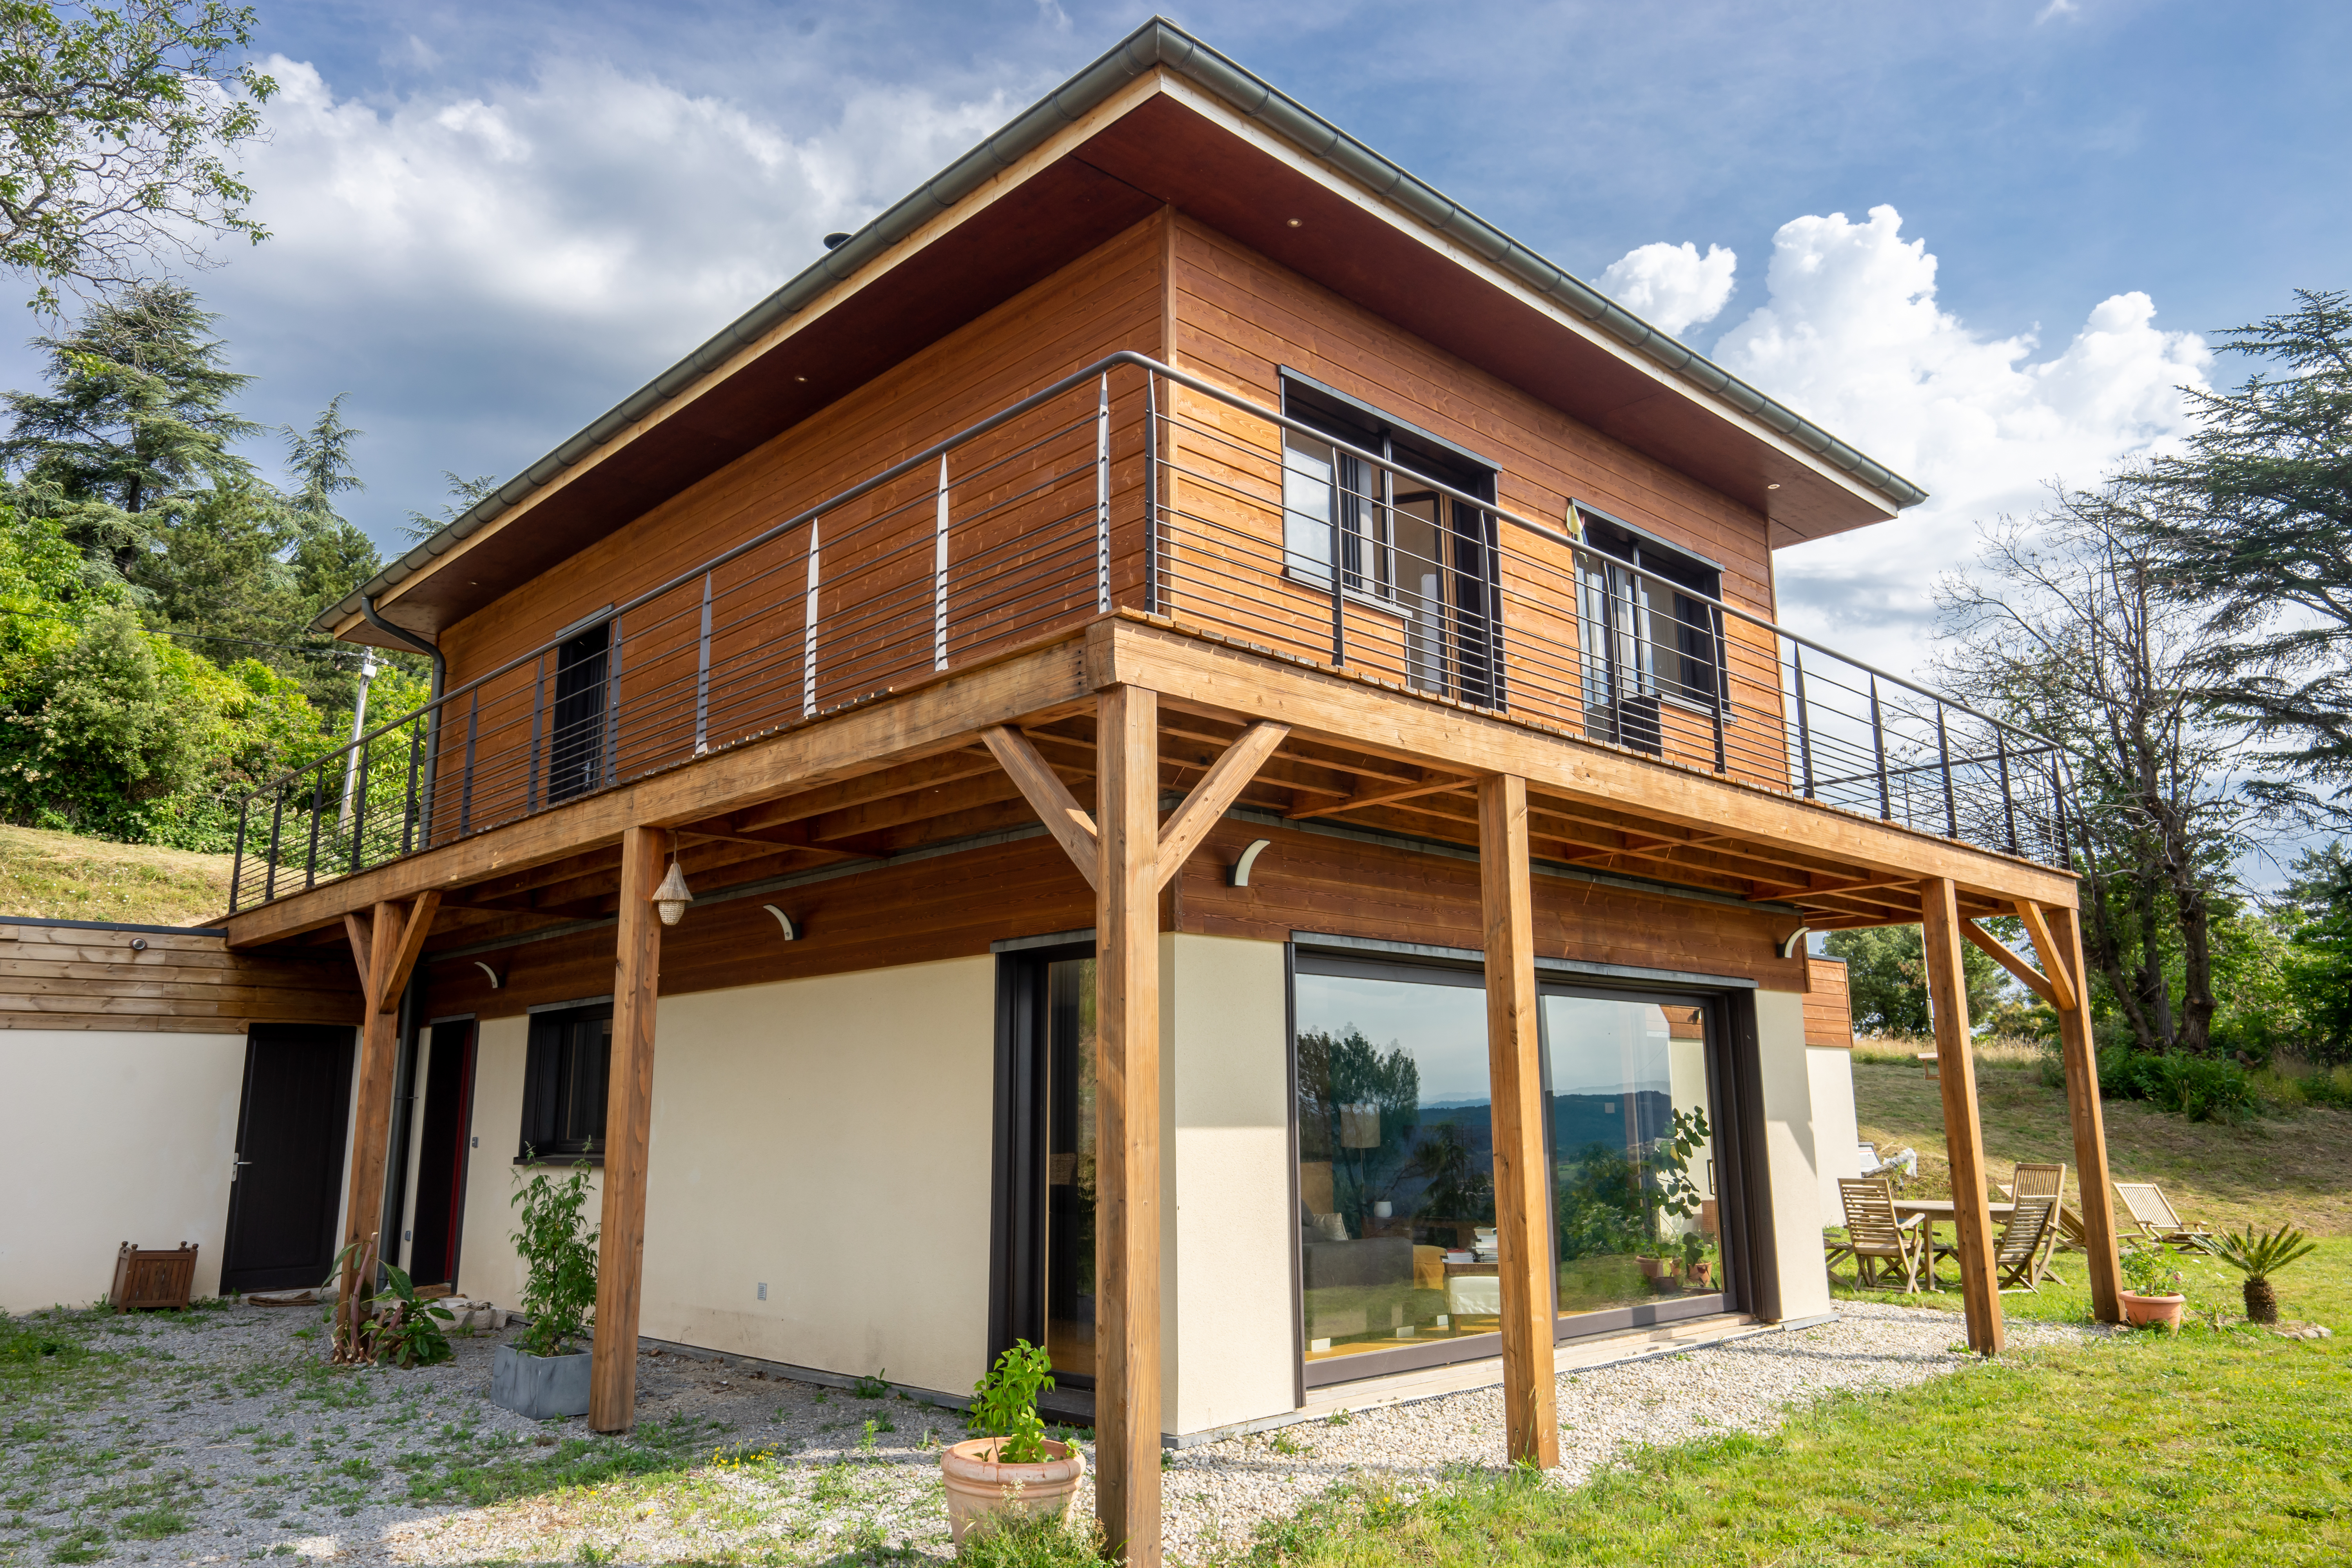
(80, 977)
(1829, 1009)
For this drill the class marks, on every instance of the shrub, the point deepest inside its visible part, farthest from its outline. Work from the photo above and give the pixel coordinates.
(561, 1289)
(2201, 1088)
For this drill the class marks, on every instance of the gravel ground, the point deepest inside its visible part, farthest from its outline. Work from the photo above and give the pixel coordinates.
(220, 1437)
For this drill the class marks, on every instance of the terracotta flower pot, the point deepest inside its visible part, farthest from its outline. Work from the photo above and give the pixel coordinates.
(978, 1486)
(2141, 1310)
(1701, 1276)
(1656, 1267)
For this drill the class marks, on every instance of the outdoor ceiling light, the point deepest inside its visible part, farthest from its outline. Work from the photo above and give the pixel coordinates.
(488, 970)
(1794, 942)
(792, 934)
(1249, 858)
(672, 897)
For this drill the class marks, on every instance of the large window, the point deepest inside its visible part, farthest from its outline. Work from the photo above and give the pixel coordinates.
(564, 1076)
(1646, 644)
(1398, 1259)
(1396, 544)
(1631, 1122)
(1396, 1158)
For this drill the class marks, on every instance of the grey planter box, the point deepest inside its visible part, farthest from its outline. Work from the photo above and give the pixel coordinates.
(539, 1386)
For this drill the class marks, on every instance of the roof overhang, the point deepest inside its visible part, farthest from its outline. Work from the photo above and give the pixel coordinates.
(1159, 120)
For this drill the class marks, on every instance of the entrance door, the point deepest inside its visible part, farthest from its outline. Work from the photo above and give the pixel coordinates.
(441, 1154)
(290, 1137)
(1046, 1220)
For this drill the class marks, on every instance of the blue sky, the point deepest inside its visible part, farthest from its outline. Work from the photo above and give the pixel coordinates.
(495, 221)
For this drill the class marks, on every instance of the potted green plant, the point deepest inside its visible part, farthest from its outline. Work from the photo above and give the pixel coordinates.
(544, 1375)
(2259, 1257)
(2154, 1295)
(1014, 1470)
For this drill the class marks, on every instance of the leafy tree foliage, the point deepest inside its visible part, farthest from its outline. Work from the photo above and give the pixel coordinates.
(116, 129)
(2318, 968)
(2252, 525)
(1886, 979)
(463, 493)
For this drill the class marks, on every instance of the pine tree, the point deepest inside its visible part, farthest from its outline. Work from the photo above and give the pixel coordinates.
(136, 418)
(2253, 522)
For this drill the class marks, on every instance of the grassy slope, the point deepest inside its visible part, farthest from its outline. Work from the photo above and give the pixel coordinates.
(2222, 1446)
(63, 876)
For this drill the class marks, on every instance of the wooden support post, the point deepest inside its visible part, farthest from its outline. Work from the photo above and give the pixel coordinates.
(1947, 999)
(1127, 1121)
(1515, 1063)
(628, 1123)
(2065, 951)
(372, 1118)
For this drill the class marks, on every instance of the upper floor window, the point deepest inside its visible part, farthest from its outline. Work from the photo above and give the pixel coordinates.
(577, 728)
(1645, 641)
(1394, 541)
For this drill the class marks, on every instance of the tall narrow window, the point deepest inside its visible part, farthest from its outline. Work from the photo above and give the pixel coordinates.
(576, 751)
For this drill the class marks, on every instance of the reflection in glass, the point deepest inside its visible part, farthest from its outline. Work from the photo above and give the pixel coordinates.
(1070, 1167)
(1396, 1186)
(1632, 1128)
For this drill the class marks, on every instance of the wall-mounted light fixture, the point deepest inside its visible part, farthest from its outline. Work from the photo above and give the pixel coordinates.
(1794, 942)
(1249, 858)
(785, 920)
(672, 897)
(487, 970)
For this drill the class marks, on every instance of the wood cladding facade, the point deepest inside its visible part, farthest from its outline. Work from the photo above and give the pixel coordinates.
(79, 977)
(1828, 1006)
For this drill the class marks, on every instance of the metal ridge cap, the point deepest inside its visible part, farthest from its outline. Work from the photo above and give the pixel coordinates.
(1155, 42)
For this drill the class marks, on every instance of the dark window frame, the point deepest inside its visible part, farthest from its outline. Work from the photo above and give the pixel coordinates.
(1732, 1090)
(551, 1083)
(1701, 681)
(580, 711)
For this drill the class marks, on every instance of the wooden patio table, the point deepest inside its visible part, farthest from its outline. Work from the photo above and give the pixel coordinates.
(1940, 1211)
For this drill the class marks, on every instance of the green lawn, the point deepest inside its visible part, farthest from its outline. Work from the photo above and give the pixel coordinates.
(60, 875)
(2224, 1445)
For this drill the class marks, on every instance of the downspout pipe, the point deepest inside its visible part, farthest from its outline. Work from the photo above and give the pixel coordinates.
(433, 723)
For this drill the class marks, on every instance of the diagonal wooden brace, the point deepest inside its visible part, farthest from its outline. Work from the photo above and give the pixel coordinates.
(2045, 945)
(1225, 779)
(1070, 824)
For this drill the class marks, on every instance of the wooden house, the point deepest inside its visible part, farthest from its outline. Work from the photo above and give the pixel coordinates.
(1236, 806)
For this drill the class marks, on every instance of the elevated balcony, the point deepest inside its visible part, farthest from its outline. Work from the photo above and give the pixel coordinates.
(1131, 511)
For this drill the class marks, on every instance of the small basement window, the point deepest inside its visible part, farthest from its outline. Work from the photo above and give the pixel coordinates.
(563, 1085)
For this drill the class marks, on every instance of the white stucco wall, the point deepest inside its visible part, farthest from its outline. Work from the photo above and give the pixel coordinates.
(830, 1137)
(1791, 1153)
(107, 1138)
(1232, 1332)
(1837, 1142)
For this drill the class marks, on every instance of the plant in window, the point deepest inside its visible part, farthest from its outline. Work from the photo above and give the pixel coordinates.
(1678, 1195)
(1599, 1208)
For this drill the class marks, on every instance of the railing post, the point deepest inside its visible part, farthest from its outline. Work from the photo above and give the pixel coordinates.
(940, 574)
(1720, 679)
(1151, 491)
(2058, 805)
(2007, 804)
(277, 820)
(237, 860)
(1944, 759)
(538, 715)
(1878, 742)
(702, 676)
(808, 635)
(465, 787)
(1102, 498)
(1339, 578)
(611, 771)
(318, 802)
(359, 804)
(1804, 726)
(408, 805)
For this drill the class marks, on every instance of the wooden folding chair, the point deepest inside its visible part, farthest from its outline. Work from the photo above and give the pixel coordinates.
(2019, 1256)
(2146, 1203)
(1874, 1235)
(2044, 1181)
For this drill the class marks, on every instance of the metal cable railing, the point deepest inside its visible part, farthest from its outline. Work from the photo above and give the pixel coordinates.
(1133, 484)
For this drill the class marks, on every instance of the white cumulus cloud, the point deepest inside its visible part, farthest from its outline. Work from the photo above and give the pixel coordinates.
(1851, 336)
(1672, 287)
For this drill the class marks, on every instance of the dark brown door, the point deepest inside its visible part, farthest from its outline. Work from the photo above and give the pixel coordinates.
(290, 1136)
(441, 1154)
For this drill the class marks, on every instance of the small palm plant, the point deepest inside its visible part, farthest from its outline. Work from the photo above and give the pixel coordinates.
(2259, 1257)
